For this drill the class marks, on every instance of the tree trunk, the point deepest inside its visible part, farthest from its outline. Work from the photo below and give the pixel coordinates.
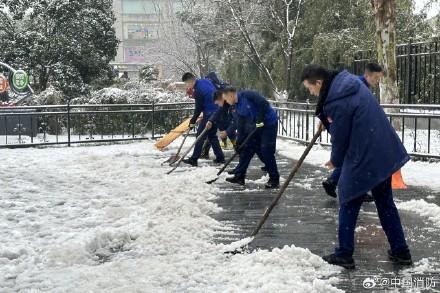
(385, 17)
(43, 78)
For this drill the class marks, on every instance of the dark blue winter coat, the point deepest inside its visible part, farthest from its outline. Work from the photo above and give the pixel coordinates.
(204, 98)
(364, 143)
(364, 80)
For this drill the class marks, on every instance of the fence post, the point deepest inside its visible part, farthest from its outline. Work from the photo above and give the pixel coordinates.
(68, 122)
(408, 73)
(307, 119)
(152, 121)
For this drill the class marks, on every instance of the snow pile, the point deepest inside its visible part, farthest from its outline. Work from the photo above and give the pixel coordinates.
(107, 219)
(423, 208)
(142, 94)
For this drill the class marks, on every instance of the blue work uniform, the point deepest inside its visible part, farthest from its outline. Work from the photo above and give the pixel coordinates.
(252, 108)
(203, 94)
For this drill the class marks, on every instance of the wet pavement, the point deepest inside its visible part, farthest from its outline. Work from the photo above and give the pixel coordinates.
(307, 217)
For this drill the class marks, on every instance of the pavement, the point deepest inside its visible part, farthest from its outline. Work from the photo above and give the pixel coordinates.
(307, 217)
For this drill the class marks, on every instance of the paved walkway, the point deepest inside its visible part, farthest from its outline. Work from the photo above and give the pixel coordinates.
(306, 217)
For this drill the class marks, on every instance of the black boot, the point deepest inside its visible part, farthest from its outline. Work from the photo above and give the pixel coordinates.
(264, 169)
(401, 259)
(330, 187)
(190, 161)
(272, 184)
(236, 180)
(345, 262)
(217, 161)
(231, 172)
(204, 156)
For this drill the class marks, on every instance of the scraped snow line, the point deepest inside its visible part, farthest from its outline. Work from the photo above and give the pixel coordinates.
(107, 219)
(423, 208)
(414, 173)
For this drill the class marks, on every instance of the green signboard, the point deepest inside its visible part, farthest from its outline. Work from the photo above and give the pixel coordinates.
(20, 80)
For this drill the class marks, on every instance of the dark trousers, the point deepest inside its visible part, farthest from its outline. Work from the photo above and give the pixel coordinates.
(212, 137)
(388, 215)
(264, 144)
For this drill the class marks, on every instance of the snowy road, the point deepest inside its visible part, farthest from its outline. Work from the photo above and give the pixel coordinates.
(107, 219)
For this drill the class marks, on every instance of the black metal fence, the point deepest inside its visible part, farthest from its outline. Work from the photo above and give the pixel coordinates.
(71, 124)
(418, 126)
(418, 71)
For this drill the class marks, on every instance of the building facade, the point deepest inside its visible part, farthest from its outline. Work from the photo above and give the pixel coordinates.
(138, 25)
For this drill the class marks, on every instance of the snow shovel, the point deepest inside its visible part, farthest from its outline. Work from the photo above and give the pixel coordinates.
(174, 158)
(246, 140)
(202, 135)
(245, 242)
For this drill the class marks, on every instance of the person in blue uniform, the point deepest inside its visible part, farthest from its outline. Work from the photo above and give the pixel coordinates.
(254, 111)
(370, 78)
(367, 149)
(203, 91)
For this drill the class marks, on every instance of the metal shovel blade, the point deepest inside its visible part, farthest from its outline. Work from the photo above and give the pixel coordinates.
(174, 158)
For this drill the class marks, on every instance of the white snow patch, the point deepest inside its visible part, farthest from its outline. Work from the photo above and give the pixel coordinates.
(108, 219)
(423, 208)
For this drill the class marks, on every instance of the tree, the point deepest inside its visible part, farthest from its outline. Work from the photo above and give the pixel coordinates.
(385, 18)
(65, 43)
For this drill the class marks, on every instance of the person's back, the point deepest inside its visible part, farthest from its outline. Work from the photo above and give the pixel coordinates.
(204, 90)
(255, 107)
(373, 149)
(367, 150)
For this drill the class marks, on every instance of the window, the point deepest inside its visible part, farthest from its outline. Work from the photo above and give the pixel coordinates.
(134, 54)
(141, 31)
(139, 7)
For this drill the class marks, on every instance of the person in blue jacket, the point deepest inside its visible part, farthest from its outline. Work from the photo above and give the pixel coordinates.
(203, 90)
(367, 149)
(224, 119)
(371, 77)
(254, 111)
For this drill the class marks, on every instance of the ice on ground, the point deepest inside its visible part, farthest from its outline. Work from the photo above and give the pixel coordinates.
(108, 219)
(422, 208)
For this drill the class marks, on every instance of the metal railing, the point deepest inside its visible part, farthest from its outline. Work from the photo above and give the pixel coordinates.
(418, 70)
(418, 126)
(72, 124)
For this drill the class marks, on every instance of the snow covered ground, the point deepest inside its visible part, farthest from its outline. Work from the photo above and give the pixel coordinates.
(107, 219)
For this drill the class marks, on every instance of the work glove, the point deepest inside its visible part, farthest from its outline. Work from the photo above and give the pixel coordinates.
(259, 124)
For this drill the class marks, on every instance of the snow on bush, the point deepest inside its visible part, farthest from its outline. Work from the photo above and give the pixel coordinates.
(50, 96)
(107, 219)
(130, 92)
